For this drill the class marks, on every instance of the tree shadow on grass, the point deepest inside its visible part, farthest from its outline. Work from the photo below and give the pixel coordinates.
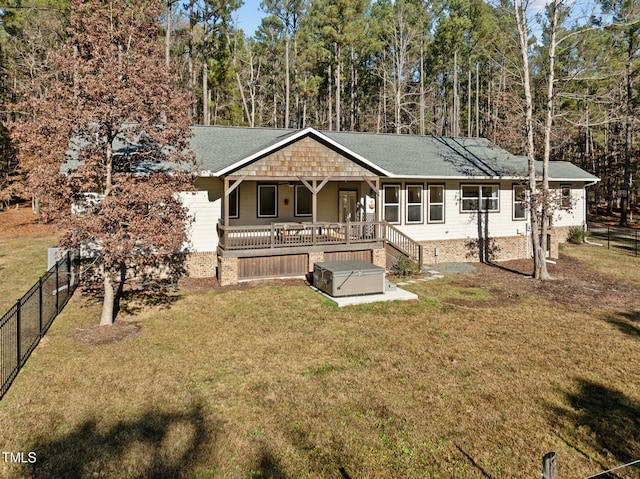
(628, 323)
(602, 419)
(163, 445)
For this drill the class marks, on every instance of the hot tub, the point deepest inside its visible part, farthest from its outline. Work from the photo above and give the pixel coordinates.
(348, 278)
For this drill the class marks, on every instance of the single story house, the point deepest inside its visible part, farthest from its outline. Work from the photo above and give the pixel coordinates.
(271, 203)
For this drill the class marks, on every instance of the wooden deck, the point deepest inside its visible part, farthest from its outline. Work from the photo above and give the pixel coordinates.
(292, 238)
(289, 235)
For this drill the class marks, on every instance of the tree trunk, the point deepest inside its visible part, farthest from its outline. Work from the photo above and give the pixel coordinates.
(287, 80)
(477, 100)
(352, 123)
(469, 103)
(167, 36)
(626, 175)
(538, 255)
(547, 211)
(330, 100)
(106, 319)
(338, 87)
(455, 120)
(422, 95)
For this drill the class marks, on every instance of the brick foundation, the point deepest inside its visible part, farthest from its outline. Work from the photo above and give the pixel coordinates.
(474, 250)
(315, 258)
(201, 264)
(494, 249)
(380, 257)
(227, 271)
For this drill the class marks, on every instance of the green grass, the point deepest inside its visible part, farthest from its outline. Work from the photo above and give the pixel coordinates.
(22, 262)
(273, 381)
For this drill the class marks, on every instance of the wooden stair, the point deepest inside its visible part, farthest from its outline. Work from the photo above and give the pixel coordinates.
(397, 244)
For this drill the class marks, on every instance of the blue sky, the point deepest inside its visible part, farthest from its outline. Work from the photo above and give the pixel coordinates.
(249, 16)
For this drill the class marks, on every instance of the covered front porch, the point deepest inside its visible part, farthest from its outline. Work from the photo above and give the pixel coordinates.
(301, 201)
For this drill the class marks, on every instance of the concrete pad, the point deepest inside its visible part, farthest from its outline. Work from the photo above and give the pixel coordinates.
(395, 295)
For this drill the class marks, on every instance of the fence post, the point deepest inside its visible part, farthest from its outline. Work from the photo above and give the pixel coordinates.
(18, 336)
(549, 466)
(608, 235)
(68, 275)
(636, 243)
(40, 306)
(57, 289)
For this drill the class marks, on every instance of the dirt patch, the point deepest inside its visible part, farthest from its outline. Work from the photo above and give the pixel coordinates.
(573, 285)
(95, 335)
(21, 221)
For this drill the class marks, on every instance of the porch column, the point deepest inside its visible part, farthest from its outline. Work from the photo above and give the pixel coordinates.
(314, 202)
(315, 188)
(225, 217)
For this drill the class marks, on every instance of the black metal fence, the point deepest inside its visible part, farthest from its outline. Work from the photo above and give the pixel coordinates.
(627, 241)
(27, 321)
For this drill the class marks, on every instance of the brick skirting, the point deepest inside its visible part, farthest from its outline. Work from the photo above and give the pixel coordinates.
(201, 264)
(472, 250)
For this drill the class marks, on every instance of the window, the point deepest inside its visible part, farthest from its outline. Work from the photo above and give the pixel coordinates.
(267, 201)
(234, 210)
(565, 197)
(480, 198)
(391, 200)
(519, 202)
(436, 204)
(303, 201)
(414, 204)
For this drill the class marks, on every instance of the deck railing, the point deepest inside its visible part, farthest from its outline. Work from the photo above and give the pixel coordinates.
(403, 243)
(282, 235)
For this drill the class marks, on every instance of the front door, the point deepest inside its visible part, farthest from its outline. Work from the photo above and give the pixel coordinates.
(348, 202)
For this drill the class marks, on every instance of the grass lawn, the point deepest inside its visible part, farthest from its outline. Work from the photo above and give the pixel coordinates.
(274, 381)
(23, 253)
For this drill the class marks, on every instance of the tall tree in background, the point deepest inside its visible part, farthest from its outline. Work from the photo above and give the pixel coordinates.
(29, 30)
(113, 116)
(627, 14)
(287, 13)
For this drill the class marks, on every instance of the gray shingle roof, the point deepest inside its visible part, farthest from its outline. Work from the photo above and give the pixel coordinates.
(219, 148)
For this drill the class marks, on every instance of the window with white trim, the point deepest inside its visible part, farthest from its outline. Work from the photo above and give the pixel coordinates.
(267, 201)
(479, 198)
(391, 203)
(303, 201)
(436, 204)
(519, 203)
(565, 197)
(234, 203)
(414, 204)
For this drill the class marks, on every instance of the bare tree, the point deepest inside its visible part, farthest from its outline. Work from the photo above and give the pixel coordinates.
(536, 197)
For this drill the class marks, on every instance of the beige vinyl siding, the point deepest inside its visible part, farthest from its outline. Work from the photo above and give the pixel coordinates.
(577, 214)
(205, 208)
(462, 225)
(327, 203)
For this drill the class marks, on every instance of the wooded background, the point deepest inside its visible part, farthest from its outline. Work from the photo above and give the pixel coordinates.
(445, 67)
